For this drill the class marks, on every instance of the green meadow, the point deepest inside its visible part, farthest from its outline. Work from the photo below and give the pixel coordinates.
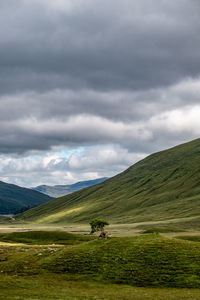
(62, 287)
(61, 265)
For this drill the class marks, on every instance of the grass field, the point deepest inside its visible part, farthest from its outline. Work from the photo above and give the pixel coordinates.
(44, 237)
(61, 287)
(59, 265)
(192, 238)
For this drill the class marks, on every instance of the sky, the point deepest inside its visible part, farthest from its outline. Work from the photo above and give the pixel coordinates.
(88, 88)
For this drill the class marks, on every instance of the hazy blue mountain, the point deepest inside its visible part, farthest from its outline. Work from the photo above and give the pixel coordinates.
(15, 199)
(62, 190)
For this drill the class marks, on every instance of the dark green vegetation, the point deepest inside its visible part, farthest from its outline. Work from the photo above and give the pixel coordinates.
(192, 238)
(62, 190)
(139, 268)
(15, 199)
(98, 225)
(162, 230)
(141, 261)
(163, 186)
(62, 287)
(44, 237)
(148, 260)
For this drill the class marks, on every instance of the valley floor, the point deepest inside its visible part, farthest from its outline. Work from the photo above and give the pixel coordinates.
(60, 287)
(184, 226)
(23, 275)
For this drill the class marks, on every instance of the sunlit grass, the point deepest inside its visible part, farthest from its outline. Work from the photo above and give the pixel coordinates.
(51, 218)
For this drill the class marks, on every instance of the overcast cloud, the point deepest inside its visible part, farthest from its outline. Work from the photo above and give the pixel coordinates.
(89, 87)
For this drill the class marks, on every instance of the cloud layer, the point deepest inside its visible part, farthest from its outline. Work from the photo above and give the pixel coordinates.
(117, 77)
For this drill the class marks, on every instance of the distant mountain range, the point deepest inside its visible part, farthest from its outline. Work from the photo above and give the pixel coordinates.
(163, 186)
(62, 190)
(15, 199)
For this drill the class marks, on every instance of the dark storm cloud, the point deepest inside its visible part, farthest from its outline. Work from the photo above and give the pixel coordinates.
(97, 44)
(90, 72)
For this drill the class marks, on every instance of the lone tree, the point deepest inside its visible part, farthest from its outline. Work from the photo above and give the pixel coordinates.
(98, 225)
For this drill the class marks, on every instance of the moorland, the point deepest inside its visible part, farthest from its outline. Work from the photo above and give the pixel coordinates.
(153, 209)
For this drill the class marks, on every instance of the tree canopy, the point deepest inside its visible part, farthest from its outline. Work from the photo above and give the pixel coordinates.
(98, 225)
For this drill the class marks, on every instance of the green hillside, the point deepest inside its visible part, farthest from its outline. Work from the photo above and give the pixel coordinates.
(14, 199)
(165, 185)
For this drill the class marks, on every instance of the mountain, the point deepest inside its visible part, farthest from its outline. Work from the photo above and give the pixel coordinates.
(62, 190)
(15, 199)
(164, 185)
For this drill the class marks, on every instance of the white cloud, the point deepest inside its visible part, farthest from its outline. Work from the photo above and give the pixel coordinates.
(90, 163)
(184, 121)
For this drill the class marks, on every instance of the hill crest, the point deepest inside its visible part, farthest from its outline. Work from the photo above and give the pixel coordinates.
(15, 199)
(164, 185)
(62, 190)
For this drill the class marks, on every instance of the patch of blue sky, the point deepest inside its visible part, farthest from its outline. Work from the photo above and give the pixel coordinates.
(66, 153)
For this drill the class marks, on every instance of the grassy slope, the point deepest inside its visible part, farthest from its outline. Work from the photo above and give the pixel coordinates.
(165, 185)
(98, 269)
(140, 261)
(14, 198)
